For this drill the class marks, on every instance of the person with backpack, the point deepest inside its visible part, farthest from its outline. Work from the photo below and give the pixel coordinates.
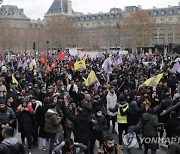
(10, 145)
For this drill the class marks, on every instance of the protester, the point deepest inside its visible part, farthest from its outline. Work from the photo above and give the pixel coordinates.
(69, 147)
(149, 123)
(52, 125)
(175, 147)
(7, 117)
(98, 128)
(10, 145)
(111, 103)
(109, 147)
(25, 115)
(120, 88)
(121, 110)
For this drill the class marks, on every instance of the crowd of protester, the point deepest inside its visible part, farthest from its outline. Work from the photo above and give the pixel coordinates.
(57, 112)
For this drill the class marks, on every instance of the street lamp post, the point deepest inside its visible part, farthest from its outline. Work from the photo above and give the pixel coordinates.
(47, 42)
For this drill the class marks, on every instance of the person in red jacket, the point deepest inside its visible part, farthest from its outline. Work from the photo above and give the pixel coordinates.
(25, 115)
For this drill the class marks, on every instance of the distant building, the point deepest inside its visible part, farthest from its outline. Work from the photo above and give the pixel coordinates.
(101, 30)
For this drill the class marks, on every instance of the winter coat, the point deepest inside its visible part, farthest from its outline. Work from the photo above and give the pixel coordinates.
(40, 120)
(81, 127)
(101, 123)
(111, 103)
(52, 121)
(7, 116)
(25, 118)
(134, 115)
(11, 146)
(87, 107)
(174, 148)
(149, 123)
(116, 150)
(171, 126)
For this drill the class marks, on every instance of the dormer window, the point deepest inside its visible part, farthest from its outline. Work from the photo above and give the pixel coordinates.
(163, 12)
(171, 12)
(178, 11)
(155, 13)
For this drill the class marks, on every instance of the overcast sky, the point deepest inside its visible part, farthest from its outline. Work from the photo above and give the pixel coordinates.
(37, 8)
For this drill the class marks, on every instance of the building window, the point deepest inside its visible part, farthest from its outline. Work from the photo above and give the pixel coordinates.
(178, 40)
(155, 13)
(171, 12)
(163, 12)
(170, 40)
(178, 11)
(162, 22)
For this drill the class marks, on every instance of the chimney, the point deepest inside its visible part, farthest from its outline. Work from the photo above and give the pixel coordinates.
(22, 10)
(139, 7)
(179, 4)
(154, 7)
(169, 6)
(69, 9)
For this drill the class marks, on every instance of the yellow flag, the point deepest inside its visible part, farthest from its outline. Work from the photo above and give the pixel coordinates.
(14, 80)
(91, 79)
(153, 81)
(80, 65)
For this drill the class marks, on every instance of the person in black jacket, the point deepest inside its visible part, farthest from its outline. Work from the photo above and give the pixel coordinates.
(81, 125)
(172, 124)
(133, 118)
(174, 148)
(7, 117)
(10, 145)
(98, 127)
(25, 114)
(165, 104)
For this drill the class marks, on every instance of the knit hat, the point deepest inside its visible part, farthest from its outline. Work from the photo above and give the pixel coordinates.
(2, 101)
(133, 104)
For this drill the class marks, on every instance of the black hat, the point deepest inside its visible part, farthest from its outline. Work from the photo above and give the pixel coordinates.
(2, 101)
(24, 100)
(60, 97)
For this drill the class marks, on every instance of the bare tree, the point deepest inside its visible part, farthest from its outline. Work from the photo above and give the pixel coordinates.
(59, 30)
(137, 29)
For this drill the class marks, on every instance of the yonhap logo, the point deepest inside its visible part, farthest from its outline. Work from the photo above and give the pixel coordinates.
(130, 140)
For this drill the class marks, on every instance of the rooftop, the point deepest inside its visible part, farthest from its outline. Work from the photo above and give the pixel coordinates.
(12, 11)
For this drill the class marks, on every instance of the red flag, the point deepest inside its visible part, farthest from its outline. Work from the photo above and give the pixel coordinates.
(70, 63)
(47, 70)
(42, 59)
(54, 64)
(61, 55)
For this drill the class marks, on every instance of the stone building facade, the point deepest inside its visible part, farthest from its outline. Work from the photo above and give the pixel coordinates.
(93, 31)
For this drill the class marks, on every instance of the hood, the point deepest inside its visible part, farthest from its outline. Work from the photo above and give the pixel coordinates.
(133, 104)
(50, 112)
(83, 118)
(9, 141)
(147, 116)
